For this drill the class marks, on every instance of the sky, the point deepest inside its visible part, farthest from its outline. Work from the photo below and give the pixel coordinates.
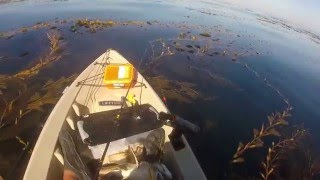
(305, 13)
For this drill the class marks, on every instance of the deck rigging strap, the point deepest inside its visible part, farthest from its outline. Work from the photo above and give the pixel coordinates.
(96, 81)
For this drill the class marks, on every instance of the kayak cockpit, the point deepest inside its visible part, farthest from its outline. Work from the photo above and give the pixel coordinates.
(104, 118)
(139, 138)
(91, 116)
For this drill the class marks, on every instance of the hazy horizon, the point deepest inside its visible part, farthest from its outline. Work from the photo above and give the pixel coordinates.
(302, 13)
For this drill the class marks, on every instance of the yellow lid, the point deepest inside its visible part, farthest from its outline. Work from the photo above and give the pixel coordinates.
(118, 75)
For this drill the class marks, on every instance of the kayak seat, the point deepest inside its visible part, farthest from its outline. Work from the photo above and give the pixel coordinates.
(135, 123)
(132, 120)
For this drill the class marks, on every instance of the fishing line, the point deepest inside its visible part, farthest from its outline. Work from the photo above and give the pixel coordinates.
(267, 83)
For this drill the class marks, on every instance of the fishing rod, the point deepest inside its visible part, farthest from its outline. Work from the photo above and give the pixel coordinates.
(179, 124)
(116, 120)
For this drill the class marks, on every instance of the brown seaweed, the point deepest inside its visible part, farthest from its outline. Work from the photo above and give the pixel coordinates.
(275, 120)
(205, 34)
(53, 55)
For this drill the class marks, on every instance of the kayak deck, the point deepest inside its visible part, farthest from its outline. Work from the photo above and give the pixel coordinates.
(93, 85)
(87, 95)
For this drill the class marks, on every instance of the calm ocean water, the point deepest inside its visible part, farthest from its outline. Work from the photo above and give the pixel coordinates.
(272, 63)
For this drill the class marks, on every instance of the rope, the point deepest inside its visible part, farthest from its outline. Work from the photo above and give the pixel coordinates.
(92, 87)
(94, 91)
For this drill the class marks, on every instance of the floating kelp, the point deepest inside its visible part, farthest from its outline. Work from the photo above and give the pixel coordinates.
(198, 46)
(24, 143)
(197, 37)
(179, 49)
(174, 90)
(35, 69)
(275, 121)
(281, 150)
(15, 102)
(29, 111)
(160, 49)
(190, 45)
(53, 91)
(205, 34)
(29, 100)
(191, 51)
(12, 33)
(36, 101)
(95, 24)
(273, 21)
(182, 35)
(2, 82)
(12, 89)
(53, 55)
(294, 143)
(55, 42)
(24, 29)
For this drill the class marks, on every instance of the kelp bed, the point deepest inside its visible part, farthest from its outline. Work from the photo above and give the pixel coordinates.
(26, 97)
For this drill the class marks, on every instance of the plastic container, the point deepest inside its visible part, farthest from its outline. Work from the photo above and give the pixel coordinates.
(119, 75)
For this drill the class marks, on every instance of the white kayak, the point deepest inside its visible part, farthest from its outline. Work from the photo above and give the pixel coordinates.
(94, 123)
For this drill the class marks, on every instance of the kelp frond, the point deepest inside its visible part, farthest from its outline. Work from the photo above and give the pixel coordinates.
(54, 39)
(60, 83)
(53, 91)
(20, 100)
(36, 102)
(53, 55)
(275, 120)
(278, 151)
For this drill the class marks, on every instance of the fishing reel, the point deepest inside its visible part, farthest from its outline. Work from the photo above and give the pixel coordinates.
(179, 126)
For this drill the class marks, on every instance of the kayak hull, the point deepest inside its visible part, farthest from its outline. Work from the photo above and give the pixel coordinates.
(84, 96)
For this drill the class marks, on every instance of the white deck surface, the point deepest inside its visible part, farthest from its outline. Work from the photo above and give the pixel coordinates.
(43, 151)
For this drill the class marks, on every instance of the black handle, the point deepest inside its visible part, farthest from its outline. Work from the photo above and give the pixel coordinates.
(179, 123)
